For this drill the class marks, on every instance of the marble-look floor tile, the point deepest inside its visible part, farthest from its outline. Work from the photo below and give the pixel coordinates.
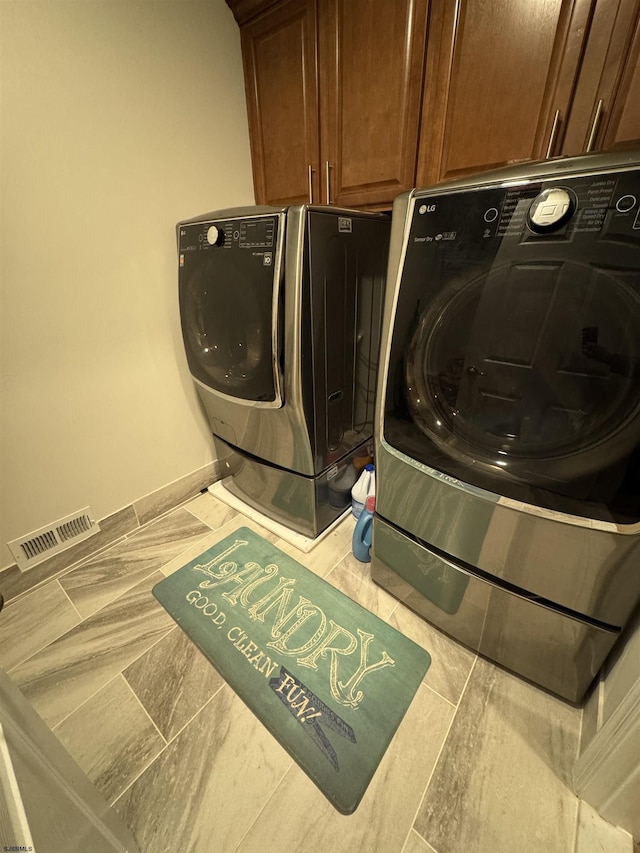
(211, 511)
(416, 844)
(173, 680)
(327, 553)
(33, 621)
(353, 578)
(503, 779)
(241, 520)
(213, 538)
(596, 835)
(451, 662)
(208, 786)
(112, 738)
(298, 816)
(108, 576)
(58, 679)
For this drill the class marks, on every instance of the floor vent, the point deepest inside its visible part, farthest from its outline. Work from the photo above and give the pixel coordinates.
(38, 546)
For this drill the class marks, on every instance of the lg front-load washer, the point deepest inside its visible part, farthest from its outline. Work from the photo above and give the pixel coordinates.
(281, 312)
(508, 420)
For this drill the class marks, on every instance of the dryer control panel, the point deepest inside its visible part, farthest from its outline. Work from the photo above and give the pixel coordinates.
(603, 205)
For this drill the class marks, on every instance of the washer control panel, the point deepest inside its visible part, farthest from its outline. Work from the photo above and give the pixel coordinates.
(254, 233)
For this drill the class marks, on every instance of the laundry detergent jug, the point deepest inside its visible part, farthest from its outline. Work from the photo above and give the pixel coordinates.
(364, 488)
(363, 533)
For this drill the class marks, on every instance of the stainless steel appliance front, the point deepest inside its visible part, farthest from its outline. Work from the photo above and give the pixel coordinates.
(281, 312)
(508, 418)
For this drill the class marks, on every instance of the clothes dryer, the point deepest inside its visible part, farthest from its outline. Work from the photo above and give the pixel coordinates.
(281, 311)
(508, 420)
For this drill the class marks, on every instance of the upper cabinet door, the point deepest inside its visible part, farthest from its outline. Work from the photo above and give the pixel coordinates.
(371, 70)
(498, 84)
(281, 79)
(605, 114)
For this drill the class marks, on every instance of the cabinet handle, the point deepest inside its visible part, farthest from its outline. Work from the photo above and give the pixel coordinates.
(327, 166)
(594, 126)
(552, 135)
(310, 185)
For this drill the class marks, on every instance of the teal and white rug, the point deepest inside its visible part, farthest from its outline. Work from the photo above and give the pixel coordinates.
(330, 680)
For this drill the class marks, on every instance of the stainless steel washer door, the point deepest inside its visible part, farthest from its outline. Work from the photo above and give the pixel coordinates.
(229, 280)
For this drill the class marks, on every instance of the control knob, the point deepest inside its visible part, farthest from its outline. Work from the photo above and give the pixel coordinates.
(551, 209)
(215, 236)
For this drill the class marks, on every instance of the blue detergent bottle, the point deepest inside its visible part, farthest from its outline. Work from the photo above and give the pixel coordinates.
(362, 535)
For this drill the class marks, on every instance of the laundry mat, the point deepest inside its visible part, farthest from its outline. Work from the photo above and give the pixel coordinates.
(328, 679)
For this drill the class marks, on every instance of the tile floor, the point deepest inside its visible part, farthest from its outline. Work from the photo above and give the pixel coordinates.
(481, 762)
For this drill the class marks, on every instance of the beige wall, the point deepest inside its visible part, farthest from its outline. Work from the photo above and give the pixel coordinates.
(119, 117)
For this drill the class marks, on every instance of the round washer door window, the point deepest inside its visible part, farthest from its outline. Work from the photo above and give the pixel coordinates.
(227, 326)
(532, 370)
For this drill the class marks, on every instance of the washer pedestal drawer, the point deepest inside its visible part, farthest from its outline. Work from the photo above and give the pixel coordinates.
(544, 645)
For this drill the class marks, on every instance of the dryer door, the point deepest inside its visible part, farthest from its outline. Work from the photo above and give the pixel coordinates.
(532, 368)
(515, 350)
(229, 280)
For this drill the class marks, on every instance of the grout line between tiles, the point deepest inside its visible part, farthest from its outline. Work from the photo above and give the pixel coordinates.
(191, 719)
(155, 757)
(66, 717)
(173, 627)
(213, 529)
(266, 803)
(574, 846)
(440, 696)
(68, 597)
(168, 743)
(442, 745)
(137, 698)
(421, 837)
(52, 639)
(84, 702)
(122, 592)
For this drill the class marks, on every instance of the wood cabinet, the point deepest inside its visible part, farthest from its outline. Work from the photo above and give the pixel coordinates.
(371, 67)
(499, 81)
(605, 110)
(507, 82)
(281, 79)
(351, 102)
(333, 95)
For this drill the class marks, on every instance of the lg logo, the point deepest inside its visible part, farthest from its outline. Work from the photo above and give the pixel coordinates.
(426, 208)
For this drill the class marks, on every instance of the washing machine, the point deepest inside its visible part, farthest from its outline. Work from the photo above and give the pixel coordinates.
(281, 312)
(508, 418)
